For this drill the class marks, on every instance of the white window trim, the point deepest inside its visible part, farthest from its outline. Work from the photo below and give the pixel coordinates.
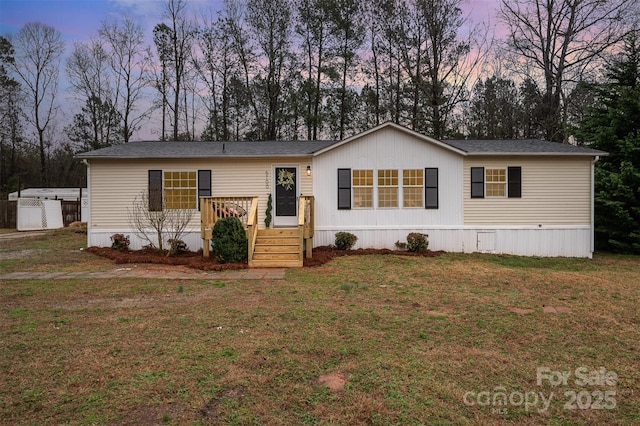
(486, 181)
(422, 200)
(372, 187)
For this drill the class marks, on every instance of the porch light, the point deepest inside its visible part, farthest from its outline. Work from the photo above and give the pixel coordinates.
(308, 170)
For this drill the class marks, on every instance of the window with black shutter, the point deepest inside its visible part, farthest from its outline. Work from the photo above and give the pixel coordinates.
(431, 188)
(514, 177)
(204, 184)
(477, 182)
(155, 190)
(344, 189)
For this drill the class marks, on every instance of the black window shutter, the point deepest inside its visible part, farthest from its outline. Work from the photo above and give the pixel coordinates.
(204, 184)
(155, 190)
(477, 182)
(431, 188)
(514, 178)
(344, 189)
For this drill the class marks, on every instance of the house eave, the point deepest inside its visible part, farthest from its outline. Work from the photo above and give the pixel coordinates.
(397, 127)
(186, 157)
(534, 154)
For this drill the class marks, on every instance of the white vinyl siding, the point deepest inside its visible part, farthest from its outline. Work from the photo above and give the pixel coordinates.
(115, 184)
(555, 191)
(387, 149)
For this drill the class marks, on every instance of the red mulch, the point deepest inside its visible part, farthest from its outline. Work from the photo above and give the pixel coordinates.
(195, 260)
(324, 254)
(189, 259)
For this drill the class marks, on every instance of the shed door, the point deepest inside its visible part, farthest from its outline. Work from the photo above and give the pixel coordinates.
(286, 190)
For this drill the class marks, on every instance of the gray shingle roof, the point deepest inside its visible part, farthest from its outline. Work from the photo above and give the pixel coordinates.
(207, 149)
(520, 147)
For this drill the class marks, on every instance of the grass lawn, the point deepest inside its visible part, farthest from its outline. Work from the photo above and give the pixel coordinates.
(402, 340)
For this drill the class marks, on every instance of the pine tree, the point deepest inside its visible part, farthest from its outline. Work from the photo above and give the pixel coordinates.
(614, 127)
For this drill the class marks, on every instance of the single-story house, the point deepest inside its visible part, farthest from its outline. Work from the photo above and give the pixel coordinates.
(525, 197)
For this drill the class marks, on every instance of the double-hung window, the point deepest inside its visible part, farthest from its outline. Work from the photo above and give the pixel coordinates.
(180, 190)
(362, 188)
(388, 188)
(495, 182)
(412, 187)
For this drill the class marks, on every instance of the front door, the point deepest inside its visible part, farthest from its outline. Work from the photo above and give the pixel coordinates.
(286, 195)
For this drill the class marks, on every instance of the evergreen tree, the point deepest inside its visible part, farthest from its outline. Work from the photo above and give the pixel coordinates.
(614, 127)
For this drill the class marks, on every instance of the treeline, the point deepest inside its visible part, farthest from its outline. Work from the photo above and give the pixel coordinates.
(302, 69)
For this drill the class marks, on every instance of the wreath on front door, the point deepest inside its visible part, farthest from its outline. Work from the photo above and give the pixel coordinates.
(286, 179)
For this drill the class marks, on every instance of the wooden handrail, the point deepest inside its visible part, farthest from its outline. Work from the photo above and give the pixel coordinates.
(306, 225)
(252, 227)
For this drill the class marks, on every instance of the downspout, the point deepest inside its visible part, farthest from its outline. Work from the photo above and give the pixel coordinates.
(86, 163)
(593, 178)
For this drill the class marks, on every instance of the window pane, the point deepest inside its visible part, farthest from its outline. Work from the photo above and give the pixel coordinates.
(388, 188)
(412, 197)
(362, 188)
(388, 197)
(412, 181)
(496, 180)
(180, 190)
(362, 197)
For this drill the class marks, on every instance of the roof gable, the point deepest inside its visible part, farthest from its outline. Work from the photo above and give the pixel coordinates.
(396, 127)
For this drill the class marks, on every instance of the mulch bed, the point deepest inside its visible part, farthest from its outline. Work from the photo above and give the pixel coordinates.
(324, 254)
(189, 259)
(195, 260)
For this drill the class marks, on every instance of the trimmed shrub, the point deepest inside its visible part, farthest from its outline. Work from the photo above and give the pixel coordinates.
(178, 246)
(417, 242)
(120, 242)
(345, 240)
(229, 240)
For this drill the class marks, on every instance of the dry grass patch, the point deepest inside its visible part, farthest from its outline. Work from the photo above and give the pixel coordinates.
(407, 337)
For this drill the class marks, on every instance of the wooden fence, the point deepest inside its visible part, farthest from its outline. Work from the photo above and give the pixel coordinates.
(8, 214)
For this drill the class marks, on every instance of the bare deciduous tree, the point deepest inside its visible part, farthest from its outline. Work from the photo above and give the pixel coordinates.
(130, 62)
(438, 60)
(180, 35)
(38, 49)
(270, 23)
(557, 40)
(88, 72)
(155, 226)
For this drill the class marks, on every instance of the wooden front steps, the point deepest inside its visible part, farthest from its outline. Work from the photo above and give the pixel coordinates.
(277, 248)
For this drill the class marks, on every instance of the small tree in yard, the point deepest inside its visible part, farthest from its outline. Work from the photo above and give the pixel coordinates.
(154, 224)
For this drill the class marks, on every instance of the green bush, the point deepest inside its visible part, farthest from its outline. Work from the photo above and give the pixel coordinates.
(417, 242)
(345, 240)
(120, 242)
(229, 240)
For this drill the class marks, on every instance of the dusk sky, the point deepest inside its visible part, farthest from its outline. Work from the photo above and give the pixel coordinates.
(80, 19)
